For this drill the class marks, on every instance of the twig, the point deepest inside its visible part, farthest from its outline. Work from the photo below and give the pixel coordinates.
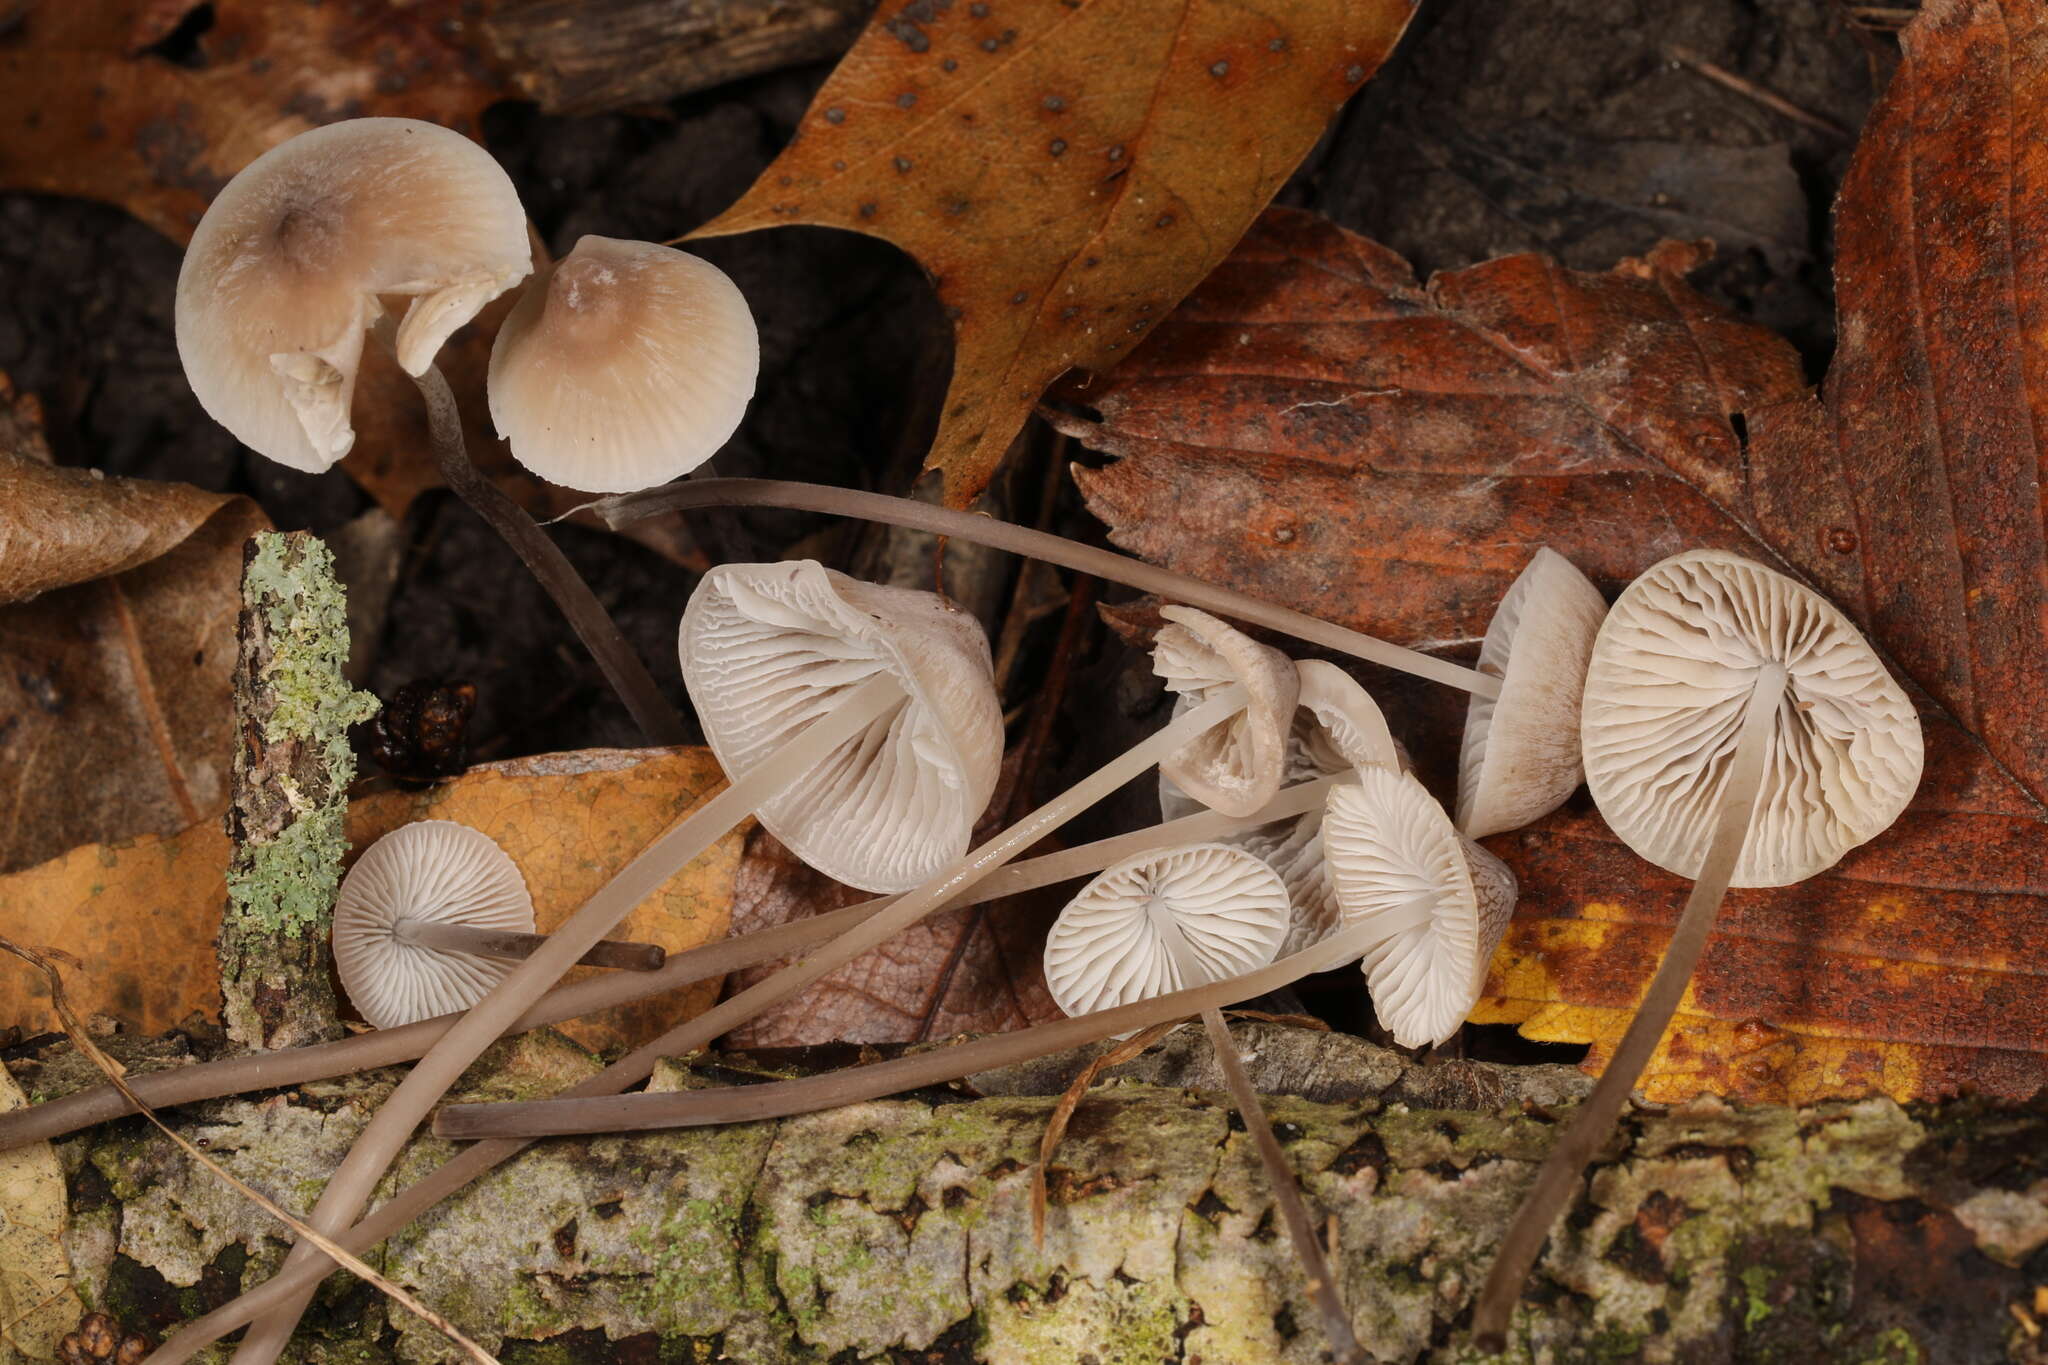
(1063, 1113)
(115, 1074)
(1748, 89)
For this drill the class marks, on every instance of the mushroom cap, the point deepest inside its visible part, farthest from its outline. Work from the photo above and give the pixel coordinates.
(1671, 674)
(1337, 727)
(285, 270)
(622, 366)
(1142, 927)
(1234, 767)
(768, 648)
(1520, 758)
(432, 870)
(1390, 845)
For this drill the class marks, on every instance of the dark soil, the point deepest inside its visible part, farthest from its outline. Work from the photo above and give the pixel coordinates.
(1497, 126)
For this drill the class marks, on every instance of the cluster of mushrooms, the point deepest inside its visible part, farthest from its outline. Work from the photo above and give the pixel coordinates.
(1734, 729)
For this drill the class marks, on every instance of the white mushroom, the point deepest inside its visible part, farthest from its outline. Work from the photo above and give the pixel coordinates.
(1670, 678)
(286, 269)
(1234, 768)
(434, 872)
(1162, 922)
(1396, 859)
(1521, 753)
(768, 648)
(623, 366)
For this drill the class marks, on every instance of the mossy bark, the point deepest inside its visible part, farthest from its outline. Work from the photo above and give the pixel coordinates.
(289, 795)
(900, 1230)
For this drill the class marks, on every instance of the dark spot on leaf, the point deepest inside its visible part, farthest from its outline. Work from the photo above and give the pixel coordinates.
(1020, 296)
(1164, 220)
(903, 164)
(907, 100)
(1354, 73)
(867, 210)
(1116, 153)
(979, 11)
(949, 65)
(1277, 45)
(1054, 103)
(906, 31)
(1220, 70)
(835, 115)
(1058, 146)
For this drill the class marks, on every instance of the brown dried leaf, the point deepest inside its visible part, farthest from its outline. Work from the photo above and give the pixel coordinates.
(1065, 169)
(972, 970)
(142, 913)
(117, 644)
(38, 1302)
(1316, 426)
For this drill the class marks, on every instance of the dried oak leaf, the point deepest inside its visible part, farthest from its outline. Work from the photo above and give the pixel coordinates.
(117, 645)
(972, 970)
(38, 1303)
(1064, 169)
(141, 914)
(1318, 427)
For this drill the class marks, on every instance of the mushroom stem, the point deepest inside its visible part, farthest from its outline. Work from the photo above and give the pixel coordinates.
(596, 1106)
(390, 1046)
(622, 668)
(486, 1021)
(982, 530)
(386, 1133)
(506, 944)
(1558, 1179)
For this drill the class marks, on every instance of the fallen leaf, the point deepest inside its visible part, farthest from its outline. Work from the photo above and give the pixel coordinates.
(38, 1303)
(972, 970)
(141, 914)
(1065, 170)
(1317, 427)
(117, 641)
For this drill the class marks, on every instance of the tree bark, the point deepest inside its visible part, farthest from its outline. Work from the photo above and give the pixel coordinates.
(901, 1229)
(289, 794)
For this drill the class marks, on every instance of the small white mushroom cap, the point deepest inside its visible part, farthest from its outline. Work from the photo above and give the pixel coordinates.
(1164, 921)
(1337, 727)
(1392, 853)
(435, 871)
(1234, 767)
(768, 648)
(622, 366)
(1521, 753)
(1672, 671)
(285, 270)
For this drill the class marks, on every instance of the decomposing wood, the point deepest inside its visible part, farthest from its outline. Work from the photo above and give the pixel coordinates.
(901, 1229)
(578, 58)
(289, 794)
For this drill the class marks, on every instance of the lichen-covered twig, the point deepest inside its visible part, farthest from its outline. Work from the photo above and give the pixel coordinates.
(290, 794)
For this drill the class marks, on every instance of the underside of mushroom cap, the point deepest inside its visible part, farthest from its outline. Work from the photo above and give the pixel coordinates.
(769, 648)
(1671, 674)
(1390, 847)
(1337, 727)
(1146, 926)
(1234, 767)
(433, 871)
(1520, 759)
(623, 366)
(285, 271)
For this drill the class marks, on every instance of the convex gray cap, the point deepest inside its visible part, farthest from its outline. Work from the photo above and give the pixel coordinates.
(1164, 921)
(286, 270)
(768, 648)
(1234, 767)
(1394, 855)
(622, 366)
(1520, 759)
(1671, 673)
(433, 871)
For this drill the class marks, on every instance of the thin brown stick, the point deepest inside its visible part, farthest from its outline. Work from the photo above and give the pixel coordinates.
(1069, 1101)
(1558, 1179)
(622, 668)
(116, 1077)
(1088, 559)
(1750, 90)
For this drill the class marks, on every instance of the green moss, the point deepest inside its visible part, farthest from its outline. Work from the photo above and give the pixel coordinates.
(1756, 1282)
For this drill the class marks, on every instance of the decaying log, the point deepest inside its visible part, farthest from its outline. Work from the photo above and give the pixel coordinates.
(289, 794)
(900, 1230)
(579, 58)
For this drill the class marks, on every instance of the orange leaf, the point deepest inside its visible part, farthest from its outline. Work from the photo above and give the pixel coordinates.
(1065, 169)
(148, 908)
(1317, 426)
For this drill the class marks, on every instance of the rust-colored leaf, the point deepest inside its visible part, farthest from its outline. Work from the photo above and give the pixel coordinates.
(148, 907)
(973, 970)
(117, 641)
(1318, 427)
(1065, 169)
